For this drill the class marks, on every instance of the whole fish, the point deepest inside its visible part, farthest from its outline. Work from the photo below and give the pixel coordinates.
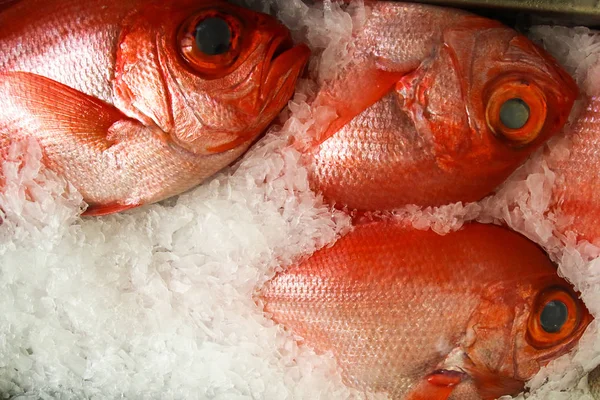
(436, 106)
(134, 101)
(469, 315)
(576, 194)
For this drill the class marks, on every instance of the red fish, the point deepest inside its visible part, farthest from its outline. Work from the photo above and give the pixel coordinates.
(469, 315)
(576, 195)
(436, 106)
(134, 101)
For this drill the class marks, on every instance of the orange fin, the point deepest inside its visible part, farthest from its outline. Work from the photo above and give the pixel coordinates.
(48, 109)
(98, 210)
(360, 88)
(436, 386)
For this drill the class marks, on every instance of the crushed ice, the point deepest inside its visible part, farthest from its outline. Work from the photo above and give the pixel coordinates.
(157, 302)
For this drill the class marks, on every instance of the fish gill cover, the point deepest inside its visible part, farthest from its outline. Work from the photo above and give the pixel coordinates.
(157, 302)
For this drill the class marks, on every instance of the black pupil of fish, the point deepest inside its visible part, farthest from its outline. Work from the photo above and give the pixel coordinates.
(213, 36)
(554, 315)
(514, 113)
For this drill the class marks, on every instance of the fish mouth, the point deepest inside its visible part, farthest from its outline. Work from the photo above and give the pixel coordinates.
(283, 61)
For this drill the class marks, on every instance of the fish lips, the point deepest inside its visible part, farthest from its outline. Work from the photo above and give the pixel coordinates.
(287, 63)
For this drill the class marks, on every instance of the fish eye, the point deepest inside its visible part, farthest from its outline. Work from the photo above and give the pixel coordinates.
(213, 36)
(553, 316)
(210, 42)
(516, 111)
(556, 314)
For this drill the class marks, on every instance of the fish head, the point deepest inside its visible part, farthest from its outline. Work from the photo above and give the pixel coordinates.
(520, 327)
(488, 97)
(233, 89)
(224, 72)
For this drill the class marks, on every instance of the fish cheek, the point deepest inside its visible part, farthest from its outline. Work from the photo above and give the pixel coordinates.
(208, 114)
(474, 51)
(490, 332)
(526, 359)
(207, 126)
(494, 331)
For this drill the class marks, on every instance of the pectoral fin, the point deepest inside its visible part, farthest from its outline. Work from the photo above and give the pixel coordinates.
(357, 90)
(436, 386)
(82, 137)
(53, 113)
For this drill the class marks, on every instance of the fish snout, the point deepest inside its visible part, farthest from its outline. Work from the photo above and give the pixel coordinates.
(283, 64)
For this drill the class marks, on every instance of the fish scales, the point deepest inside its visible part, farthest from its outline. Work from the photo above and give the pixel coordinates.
(576, 194)
(50, 43)
(369, 143)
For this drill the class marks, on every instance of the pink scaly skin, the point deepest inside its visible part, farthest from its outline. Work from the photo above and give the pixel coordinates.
(576, 194)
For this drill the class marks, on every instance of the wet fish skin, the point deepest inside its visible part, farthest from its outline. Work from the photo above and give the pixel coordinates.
(124, 103)
(576, 194)
(412, 124)
(423, 316)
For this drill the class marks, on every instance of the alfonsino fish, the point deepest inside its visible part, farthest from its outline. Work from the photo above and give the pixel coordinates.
(469, 315)
(134, 101)
(576, 195)
(436, 106)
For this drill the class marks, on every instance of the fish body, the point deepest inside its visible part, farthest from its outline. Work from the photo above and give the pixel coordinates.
(424, 316)
(134, 101)
(576, 194)
(421, 116)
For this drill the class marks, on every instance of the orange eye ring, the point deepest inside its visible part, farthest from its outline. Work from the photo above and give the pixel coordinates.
(516, 91)
(539, 335)
(207, 64)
